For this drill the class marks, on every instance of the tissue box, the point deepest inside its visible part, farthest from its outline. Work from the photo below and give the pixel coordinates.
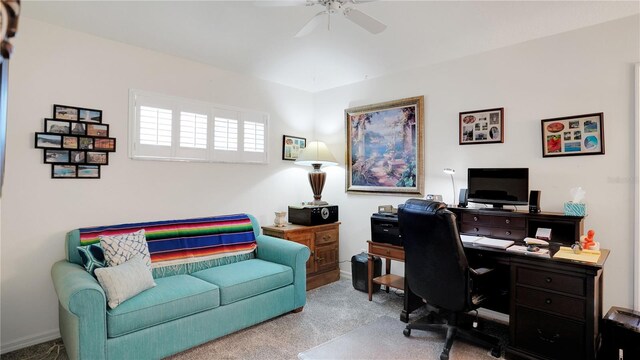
(575, 209)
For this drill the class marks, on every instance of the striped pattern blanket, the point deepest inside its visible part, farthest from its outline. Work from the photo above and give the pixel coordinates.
(183, 241)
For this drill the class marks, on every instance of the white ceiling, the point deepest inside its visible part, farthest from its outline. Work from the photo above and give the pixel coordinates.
(258, 41)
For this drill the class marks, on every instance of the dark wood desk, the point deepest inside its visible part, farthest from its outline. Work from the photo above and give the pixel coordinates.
(554, 305)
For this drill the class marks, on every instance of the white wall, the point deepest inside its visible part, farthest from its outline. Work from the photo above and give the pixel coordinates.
(584, 71)
(52, 65)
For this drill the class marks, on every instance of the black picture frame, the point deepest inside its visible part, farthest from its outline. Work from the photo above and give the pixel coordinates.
(48, 141)
(104, 144)
(292, 146)
(56, 156)
(573, 135)
(65, 112)
(97, 130)
(97, 158)
(63, 171)
(54, 126)
(88, 171)
(481, 126)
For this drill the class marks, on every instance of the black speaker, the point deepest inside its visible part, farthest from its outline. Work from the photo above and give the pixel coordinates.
(462, 200)
(359, 271)
(534, 201)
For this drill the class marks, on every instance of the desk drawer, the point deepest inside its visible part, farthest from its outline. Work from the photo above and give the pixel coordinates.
(326, 237)
(508, 222)
(476, 219)
(546, 301)
(510, 234)
(475, 229)
(551, 281)
(385, 251)
(548, 335)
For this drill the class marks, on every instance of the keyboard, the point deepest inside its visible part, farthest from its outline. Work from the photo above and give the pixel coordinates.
(494, 243)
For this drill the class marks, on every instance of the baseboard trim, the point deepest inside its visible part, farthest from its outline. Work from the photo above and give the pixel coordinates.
(345, 275)
(29, 341)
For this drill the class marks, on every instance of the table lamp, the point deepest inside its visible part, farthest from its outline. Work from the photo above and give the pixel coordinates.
(450, 171)
(316, 154)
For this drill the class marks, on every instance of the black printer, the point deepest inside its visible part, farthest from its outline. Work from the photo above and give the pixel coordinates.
(384, 228)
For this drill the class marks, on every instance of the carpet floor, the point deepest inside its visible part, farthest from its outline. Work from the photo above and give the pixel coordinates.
(336, 315)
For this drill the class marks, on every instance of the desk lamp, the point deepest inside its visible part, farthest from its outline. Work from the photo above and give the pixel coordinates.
(450, 171)
(316, 154)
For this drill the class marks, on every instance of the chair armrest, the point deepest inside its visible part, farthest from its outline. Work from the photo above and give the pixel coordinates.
(287, 253)
(82, 306)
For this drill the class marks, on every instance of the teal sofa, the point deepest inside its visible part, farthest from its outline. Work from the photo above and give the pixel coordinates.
(184, 309)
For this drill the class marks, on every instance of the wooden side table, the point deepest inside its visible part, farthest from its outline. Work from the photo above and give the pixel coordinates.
(388, 252)
(324, 243)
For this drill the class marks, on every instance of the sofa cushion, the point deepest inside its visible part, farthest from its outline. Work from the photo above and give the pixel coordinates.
(92, 257)
(124, 281)
(245, 279)
(173, 297)
(120, 248)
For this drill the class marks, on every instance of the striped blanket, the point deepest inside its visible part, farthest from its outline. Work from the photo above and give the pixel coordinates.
(182, 241)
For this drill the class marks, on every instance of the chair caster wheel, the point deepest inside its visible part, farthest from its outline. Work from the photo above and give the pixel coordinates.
(496, 352)
(406, 332)
(444, 356)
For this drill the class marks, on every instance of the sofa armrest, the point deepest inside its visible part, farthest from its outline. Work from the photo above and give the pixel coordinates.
(82, 307)
(287, 253)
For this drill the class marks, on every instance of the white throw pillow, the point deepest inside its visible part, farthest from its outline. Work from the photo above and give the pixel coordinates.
(120, 248)
(125, 280)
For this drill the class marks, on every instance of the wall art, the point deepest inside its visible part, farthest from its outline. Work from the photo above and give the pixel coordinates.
(292, 146)
(385, 147)
(573, 135)
(481, 126)
(75, 142)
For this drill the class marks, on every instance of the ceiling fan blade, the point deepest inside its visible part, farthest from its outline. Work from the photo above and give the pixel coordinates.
(312, 24)
(365, 21)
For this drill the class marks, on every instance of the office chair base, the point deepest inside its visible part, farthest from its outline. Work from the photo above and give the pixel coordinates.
(470, 335)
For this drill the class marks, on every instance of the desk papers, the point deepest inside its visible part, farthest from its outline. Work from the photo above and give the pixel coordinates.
(591, 256)
(485, 241)
(519, 249)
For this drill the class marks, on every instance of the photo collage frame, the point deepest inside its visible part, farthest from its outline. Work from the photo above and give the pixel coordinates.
(75, 142)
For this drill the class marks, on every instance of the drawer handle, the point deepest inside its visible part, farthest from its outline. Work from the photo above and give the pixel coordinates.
(319, 259)
(475, 218)
(508, 232)
(507, 221)
(551, 340)
(326, 237)
(548, 301)
(476, 229)
(548, 280)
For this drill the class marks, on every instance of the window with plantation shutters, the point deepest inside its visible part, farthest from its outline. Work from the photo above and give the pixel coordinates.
(170, 128)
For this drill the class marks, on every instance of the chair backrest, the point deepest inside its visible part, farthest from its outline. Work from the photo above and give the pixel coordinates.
(435, 264)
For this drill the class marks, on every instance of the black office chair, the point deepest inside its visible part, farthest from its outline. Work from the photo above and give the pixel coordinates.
(437, 270)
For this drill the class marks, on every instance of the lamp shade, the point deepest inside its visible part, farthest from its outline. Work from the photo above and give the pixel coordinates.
(316, 152)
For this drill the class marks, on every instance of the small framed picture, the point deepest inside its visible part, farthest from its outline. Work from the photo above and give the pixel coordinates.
(48, 141)
(69, 142)
(85, 143)
(56, 156)
(63, 171)
(89, 171)
(77, 157)
(53, 126)
(97, 157)
(101, 130)
(64, 112)
(90, 115)
(292, 146)
(78, 128)
(481, 126)
(108, 144)
(573, 135)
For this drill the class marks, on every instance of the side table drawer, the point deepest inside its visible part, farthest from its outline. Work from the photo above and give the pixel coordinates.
(509, 222)
(551, 281)
(547, 301)
(386, 251)
(326, 237)
(549, 335)
(476, 219)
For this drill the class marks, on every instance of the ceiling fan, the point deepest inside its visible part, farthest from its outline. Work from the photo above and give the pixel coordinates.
(332, 7)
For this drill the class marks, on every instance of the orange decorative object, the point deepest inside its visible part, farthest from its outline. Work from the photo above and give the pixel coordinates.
(589, 243)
